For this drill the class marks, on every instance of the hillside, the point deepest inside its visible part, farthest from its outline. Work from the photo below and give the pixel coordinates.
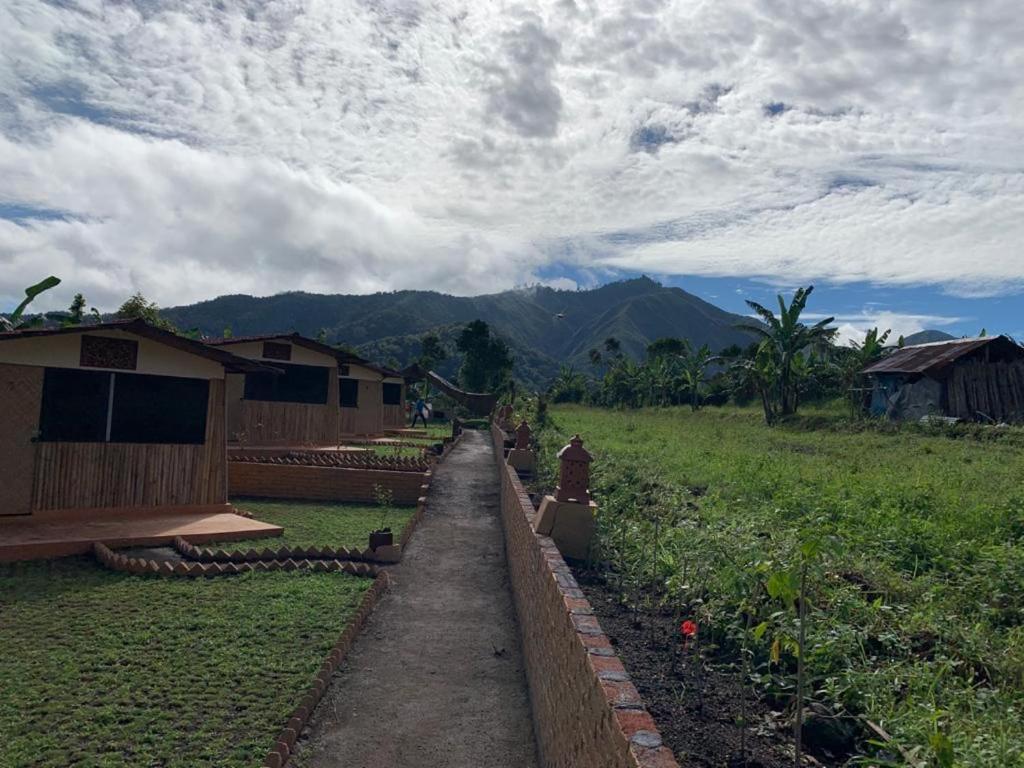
(927, 337)
(543, 326)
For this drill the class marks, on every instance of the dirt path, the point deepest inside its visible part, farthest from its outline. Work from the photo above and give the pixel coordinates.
(436, 679)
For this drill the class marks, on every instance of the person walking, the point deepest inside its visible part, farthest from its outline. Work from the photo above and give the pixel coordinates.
(419, 411)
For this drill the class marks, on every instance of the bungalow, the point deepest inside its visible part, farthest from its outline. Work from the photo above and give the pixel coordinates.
(323, 394)
(979, 379)
(112, 416)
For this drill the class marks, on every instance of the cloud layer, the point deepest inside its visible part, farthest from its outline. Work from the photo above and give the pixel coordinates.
(189, 149)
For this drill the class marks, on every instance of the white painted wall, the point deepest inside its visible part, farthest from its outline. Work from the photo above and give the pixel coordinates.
(253, 350)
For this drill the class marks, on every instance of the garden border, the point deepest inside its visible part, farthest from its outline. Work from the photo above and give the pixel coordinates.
(586, 711)
(278, 755)
(146, 566)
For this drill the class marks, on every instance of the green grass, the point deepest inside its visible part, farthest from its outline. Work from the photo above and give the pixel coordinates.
(918, 601)
(107, 669)
(318, 523)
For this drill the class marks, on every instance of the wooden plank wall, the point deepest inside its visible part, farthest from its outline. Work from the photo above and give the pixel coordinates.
(394, 416)
(21, 392)
(267, 423)
(993, 389)
(368, 418)
(87, 475)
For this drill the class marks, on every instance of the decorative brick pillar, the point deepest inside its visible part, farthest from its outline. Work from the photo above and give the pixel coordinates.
(523, 434)
(574, 472)
(521, 457)
(568, 516)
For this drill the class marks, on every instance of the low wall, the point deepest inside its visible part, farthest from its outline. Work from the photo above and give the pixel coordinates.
(284, 481)
(586, 712)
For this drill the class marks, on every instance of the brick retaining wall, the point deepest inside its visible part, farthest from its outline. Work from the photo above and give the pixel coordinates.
(321, 483)
(586, 712)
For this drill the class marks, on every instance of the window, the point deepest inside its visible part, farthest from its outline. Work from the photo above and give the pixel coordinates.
(348, 393)
(298, 384)
(275, 350)
(98, 407)
(159, 409)
(392, 394)
(75, 405)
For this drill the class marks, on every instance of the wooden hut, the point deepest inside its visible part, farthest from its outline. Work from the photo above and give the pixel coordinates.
(297, 407)
(111, 418)
(371, 397)
(322, 395)
(979, 379)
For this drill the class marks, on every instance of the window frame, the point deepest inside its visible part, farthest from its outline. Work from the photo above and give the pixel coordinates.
(344, 381)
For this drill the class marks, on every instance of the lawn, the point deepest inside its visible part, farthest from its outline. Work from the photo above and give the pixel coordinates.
(916, 597)
(319, 523)
(107, 669)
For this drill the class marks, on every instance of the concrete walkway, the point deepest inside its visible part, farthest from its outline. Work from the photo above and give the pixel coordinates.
(436, 679)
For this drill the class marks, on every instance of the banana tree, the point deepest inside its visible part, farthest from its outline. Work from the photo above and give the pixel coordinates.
(786, 337)
(695, 366)
(14, 322)
(861, 356)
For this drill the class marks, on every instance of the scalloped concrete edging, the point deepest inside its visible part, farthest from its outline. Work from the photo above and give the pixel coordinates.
(278, 755)
(145, 566)
(586, 709)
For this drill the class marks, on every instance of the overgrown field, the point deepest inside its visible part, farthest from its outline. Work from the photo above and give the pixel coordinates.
(106, 669)
(912, 540)
(319, 523)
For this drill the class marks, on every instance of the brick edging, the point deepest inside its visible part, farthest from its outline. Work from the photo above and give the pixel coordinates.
(285, 741)
(586, 709)
(146, 566)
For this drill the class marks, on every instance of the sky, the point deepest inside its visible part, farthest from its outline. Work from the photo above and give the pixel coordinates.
(735, 148)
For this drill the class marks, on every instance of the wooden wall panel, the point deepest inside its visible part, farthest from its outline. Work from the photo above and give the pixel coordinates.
(83, 475)
(267, 423)
(215, 469)
(21, 392)
(394, 416)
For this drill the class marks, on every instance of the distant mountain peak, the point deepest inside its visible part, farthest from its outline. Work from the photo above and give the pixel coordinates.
(546, 327)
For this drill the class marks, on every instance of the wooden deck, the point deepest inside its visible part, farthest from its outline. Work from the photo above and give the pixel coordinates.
(46, 535)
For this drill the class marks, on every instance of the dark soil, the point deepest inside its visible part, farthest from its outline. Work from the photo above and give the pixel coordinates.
(697, 712)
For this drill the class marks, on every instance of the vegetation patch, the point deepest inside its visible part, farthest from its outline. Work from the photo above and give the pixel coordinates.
(107, 669)
(909, 543)
(318, 523)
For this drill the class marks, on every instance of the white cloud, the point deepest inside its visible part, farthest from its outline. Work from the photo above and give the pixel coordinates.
(853, 327)
(351, 146)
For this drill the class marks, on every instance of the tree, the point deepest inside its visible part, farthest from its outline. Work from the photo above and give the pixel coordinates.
(432, 351)
(613, 347)
(14, 321)
(76, 312)
(760, 374)
(568, 387)
(487, 361)
(784, 337)
(860, 356)
(138, 308)
(667, 347)
(695, 366)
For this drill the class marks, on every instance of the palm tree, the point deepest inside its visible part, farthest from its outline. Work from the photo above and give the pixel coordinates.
(786, 337)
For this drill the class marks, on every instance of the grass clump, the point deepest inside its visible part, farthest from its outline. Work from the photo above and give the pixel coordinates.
(107, 669)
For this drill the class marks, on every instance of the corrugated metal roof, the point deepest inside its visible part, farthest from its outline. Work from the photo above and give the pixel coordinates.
(925, 358)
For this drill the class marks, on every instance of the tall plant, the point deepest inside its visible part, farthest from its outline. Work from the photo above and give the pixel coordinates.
(784, 337)
(15, 321)
(695, 366)
(861, 355)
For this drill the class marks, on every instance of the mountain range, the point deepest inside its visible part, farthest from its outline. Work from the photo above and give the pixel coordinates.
(544, 327)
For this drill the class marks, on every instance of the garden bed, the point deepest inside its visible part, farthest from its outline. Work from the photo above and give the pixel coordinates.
(318, 524)
(912, 540)
(118, 670)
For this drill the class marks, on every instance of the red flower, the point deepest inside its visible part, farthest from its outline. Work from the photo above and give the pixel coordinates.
(688, 628)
